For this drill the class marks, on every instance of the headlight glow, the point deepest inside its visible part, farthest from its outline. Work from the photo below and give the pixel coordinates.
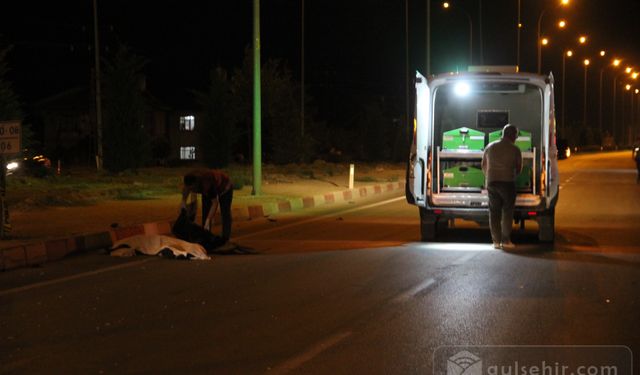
(12, 166)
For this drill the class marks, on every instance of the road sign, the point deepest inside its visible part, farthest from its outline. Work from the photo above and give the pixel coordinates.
(10, 137)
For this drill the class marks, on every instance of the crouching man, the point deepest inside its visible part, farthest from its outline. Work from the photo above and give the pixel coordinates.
(216, 190)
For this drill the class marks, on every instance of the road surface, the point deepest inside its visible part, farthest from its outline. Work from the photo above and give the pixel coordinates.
(346, 290)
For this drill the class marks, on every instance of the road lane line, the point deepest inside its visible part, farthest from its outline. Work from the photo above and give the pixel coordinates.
(297, 361)
(73, 277)
(405, 296)
(286, 226)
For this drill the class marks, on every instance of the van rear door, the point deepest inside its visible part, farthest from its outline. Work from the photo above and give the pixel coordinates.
(419, 168)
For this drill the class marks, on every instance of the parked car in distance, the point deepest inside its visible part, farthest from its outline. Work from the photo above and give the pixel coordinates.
(564, 150)
(34, 166)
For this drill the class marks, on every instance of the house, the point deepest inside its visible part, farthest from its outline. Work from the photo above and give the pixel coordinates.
(67, 123)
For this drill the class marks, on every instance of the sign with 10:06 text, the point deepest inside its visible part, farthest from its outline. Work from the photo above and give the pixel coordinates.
(9, 137)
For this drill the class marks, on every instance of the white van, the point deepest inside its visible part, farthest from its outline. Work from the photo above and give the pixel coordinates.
(456, 117)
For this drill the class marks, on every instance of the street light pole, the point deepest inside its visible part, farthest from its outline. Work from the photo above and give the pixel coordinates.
(600, 102)
(480, 31)
(584, 100)
(613, 120)
(519, 26)
(565, 54)
(96, 47)
(302, 73)
(428, 38)
(539, 41)
(446, 5)
(257, 105)
(406, 68)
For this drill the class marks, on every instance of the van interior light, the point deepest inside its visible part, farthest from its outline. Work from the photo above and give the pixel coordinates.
(462, 89)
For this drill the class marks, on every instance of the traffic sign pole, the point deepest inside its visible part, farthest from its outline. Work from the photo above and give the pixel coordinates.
(10, 144)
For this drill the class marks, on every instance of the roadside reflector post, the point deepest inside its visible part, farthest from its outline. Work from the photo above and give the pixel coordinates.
(352, 168)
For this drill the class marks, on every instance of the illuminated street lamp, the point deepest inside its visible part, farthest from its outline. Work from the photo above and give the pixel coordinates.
(627, 87)
(447, 5)
(582, 39)
(586, 63)
(628, 70)
(565, 54)
(602, 54)
(562, 24)
(538, 39)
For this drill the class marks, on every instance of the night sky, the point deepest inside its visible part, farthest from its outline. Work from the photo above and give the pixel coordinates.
(351, 46)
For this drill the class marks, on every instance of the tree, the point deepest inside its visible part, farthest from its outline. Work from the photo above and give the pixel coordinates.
(125, 141)
(284, 142)
(219, 133)
(9, 103)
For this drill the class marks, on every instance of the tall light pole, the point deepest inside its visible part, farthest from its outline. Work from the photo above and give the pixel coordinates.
(624, 136)
(602, 54)
(614, 63)
(447, 5)
(565, 54)
(538, 40)
(406, 68)
(428, 38)
(586, 63)
(519, 26)
(257, 105)
(628, 70)
(96, 48)
(302, 71)
(480, 31)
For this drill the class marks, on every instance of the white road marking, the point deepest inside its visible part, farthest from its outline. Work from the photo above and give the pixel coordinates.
(73, 277)
(135, 263)
(299, 360)
(405, 296)
(318, 218)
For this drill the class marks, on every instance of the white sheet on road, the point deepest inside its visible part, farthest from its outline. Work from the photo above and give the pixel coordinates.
(153, 244)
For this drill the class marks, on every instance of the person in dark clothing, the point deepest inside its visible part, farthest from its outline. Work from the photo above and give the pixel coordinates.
(216, 190)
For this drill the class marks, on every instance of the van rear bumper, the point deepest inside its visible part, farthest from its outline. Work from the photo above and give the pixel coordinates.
(478, 200)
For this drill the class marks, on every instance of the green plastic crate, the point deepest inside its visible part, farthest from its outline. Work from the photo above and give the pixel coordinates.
(523, 141)
(463, 139)
(463, 177)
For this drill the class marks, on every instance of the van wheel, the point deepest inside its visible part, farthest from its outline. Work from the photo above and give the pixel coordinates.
(428, 226)
(546, 223)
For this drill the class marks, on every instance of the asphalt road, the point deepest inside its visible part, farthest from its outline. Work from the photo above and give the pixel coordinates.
(346, 291)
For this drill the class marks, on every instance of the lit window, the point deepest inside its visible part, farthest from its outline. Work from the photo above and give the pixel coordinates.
(187, 123)
(188, 153)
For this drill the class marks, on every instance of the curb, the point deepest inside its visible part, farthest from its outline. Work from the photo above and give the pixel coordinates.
(40, 252)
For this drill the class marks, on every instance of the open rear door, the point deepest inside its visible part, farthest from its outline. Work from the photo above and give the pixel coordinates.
(551, 167)
(418, 168)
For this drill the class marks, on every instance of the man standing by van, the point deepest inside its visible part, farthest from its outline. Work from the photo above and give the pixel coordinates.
(501, 163)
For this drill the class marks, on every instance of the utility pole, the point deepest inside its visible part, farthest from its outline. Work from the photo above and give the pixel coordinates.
(480, 31)
(302, 75)
(96, 48)
(519, 25)
(428, 38)
(257, 109)
(406, 68)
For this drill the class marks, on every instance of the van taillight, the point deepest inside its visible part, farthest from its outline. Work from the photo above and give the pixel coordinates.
(532, 213)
